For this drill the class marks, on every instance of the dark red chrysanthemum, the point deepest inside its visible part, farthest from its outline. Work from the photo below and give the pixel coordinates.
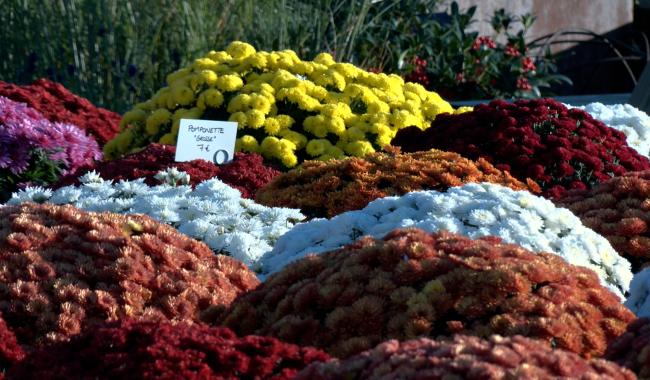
(163, 350)
(246, 172)
(10, 351)
(541, 139)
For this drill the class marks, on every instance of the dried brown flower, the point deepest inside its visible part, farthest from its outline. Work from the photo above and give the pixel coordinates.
(63, 269)
(412, 283)
(326, 189)
(465, 357)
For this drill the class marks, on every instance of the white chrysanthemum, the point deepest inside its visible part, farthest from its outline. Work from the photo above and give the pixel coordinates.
(639, 299)
(66, 195)
(36, 194)
(627, 119)
(131, 188)
(474, 210)
(214, 212)
(91, 177)
(172, 176)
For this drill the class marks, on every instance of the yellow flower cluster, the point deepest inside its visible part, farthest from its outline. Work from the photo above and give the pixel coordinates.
(287, 109)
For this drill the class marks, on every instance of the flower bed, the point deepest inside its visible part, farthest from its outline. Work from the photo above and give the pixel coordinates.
(162, 350)
(326, 189)
(212, 212)
(246, 172)
(411, 283)
(559, 148)
(57, 104)
(473, 210)
(64, 269)
(287, 109)
(465, 357)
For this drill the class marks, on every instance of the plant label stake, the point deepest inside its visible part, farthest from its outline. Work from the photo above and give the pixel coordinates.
(210, 140)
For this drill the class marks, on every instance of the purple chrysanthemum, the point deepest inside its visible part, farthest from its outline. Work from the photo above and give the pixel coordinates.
(23, 130)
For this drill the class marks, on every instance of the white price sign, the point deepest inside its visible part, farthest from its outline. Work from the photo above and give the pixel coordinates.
(210, 140)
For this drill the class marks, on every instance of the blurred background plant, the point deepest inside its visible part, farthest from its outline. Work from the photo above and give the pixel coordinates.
(118, 52)
(461, 64)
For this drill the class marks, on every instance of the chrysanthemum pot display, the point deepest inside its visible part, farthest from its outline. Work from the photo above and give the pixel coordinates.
(64, 269)
(246, 172)
(326, 189)
(287, 109)
(163, 350)
(541, 139)
(619, 210)
(57, 104)
(465, 357)
(412, 283)
(212, 212)
(35, 151)
(631, 349)
(473, 210)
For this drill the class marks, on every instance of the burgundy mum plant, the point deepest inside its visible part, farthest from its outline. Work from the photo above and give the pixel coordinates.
(246, 172)
(164, 350)
(10, 351)
(541, 139)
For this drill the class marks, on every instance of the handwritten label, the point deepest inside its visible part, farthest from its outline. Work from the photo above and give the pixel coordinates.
(210, 140)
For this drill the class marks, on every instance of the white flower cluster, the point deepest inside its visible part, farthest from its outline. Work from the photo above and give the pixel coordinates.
(639, 298)
(473, 210)
(213, 212)
(627, 119)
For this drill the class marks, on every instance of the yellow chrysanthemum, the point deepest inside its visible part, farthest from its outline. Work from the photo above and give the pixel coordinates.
(168, 139)
(255, 119)
(359, 148)
(156, 119)
(280, 102)
(182, 95)
(272, 126)
(463, 109)
(298, 139)
(211, 98)
(289, 159)
(135, 116)
(317, 147)
(247, 143)
(229, 83)
(178, 75)
(239, 50)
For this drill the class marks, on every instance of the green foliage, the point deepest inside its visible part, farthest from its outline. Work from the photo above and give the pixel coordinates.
(41, 171)
(460, 64)
(118, 52)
